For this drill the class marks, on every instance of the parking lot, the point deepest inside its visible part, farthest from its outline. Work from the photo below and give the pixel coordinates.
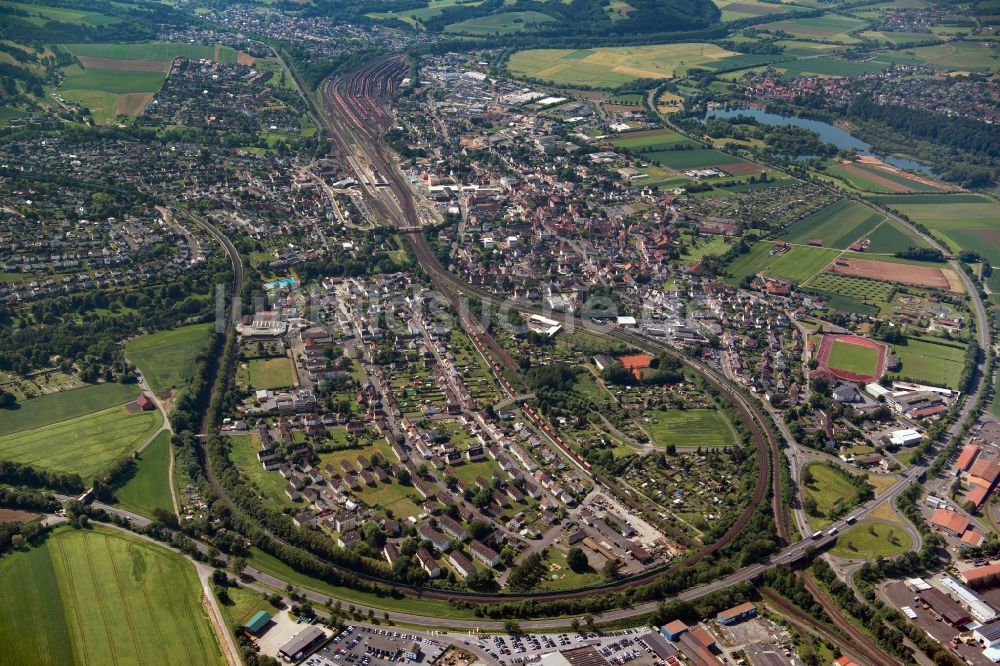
(372, 646)
(618, 647)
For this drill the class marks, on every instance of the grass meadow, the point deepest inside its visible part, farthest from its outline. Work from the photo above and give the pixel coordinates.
(871, 539)
(150, 487)
(798, 264)
(166, 358)
(930, 362)
(86, 596)
(689, 428)
(829, 487)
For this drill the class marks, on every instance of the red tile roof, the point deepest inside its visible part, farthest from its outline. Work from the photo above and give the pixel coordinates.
(965, 459)
(951, 520)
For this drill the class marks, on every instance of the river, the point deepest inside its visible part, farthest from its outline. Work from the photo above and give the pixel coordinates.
(827, 133)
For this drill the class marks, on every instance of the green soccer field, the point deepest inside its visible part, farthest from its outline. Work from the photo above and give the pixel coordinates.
(84, 445)
(167, 358)
(271, 373)
(852, 358)
(99, 596)
(925, 361)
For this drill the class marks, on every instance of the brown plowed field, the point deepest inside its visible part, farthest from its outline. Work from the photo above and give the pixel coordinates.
(919, 276)
(875, 178)
(132, 104)
(122, 65)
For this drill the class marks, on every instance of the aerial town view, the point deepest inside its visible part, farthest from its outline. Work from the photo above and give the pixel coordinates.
(499, 332)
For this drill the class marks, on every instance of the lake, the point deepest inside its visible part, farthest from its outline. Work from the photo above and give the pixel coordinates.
(827, 133)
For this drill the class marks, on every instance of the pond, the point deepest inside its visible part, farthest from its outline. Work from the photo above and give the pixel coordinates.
(827, 133)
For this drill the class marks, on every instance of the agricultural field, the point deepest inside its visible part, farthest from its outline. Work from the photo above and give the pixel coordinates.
(85, 445)
(798, 264)
(39, 15)
(869, 178)
(415, 17)
(159, 51)
(501, 24)
(828, 67)
(149, 488)
(613, 66)
(963, 221)
(853, 358)
(890, 237)
(649, 140)
(931, 362)
(830, 488)
(733, 10)
(84, 597)
(57, 407)
(958, 56)
(689, 428)
(166, 358)
(829, 27)
(838, 225)
(870, 539)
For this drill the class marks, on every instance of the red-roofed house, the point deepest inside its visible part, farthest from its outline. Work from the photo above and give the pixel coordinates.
(950, 521)
(978, 496)
(972, 538)
(981, 576)
(985, 472)
(966, 458)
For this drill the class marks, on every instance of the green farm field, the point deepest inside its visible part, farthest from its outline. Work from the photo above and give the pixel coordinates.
(84, 597)
(929, 362)
(689, 428)
(963, 221)
(651, 139)
(49, 409)
(852, 358)
(829, 27)
(879, 181)
(829, 487)
(798, 264)
(838, 225)
(415, 16)
(40, 15)
(613, 66)
(162, 51)
(85, 445)
(150, 487)
(829, 67)
(167, 358)
(734, 10)
(870, 539)
(957, 56)
(891, 236)
(502, 23)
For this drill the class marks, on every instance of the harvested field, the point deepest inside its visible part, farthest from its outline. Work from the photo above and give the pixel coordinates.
(919, 276)
(132, 104)
(869, 175)
(16, 516)
(245, 59)
(742, 168)
(120, 65)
